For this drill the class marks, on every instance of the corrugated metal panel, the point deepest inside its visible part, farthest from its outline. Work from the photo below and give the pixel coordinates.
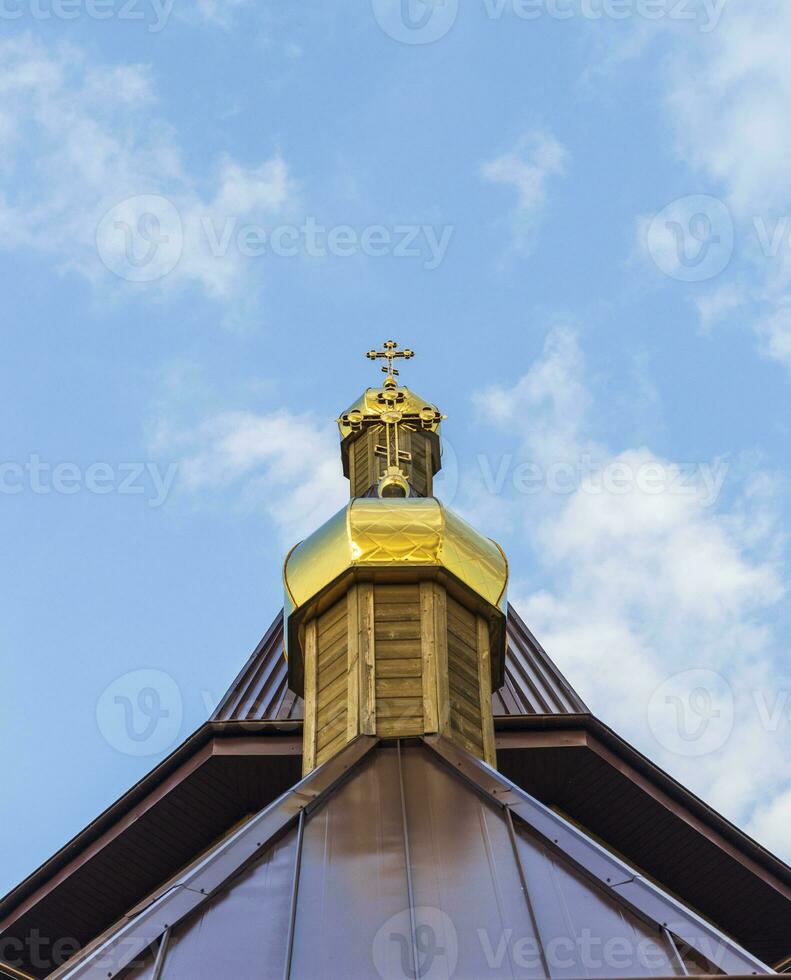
(531, 678)
(533, 684)
(260, 690)
(406, 871)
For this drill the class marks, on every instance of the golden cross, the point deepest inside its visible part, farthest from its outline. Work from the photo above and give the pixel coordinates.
(390, 353)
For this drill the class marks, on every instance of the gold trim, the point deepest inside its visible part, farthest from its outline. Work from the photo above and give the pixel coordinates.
(285, 573)
(384, 534)
(501, 597)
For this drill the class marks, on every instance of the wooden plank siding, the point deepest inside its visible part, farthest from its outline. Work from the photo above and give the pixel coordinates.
(364, 464)
(332, 656)
(365, 467)
(399, 660)
(464, 678)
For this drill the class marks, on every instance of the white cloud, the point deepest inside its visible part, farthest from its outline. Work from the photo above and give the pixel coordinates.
(642, 584)
(727, 92)
(719, 303)
(79, 139)
(771, 821)
(551, 395)
(284, 464)
(527, 169)
(775, 334)
(216, 13)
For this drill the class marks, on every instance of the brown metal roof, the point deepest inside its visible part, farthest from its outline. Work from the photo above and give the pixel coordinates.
(533, 684)
(569, 760)
(211, 782)
(406, 861)
(581, 767)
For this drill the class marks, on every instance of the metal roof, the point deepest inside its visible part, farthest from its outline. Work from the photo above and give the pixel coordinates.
(404, 861)
(573, 763)
(533, 684)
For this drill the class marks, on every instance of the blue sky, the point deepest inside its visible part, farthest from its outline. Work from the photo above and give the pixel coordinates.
(576, 212)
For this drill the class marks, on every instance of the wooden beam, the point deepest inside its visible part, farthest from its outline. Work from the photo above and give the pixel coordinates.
(485, 684)
(311, 697)
(441, 639)
(367, 655)
(353, 668)
(428, 649)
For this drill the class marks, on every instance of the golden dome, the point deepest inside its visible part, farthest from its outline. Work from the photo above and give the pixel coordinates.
(395, 538)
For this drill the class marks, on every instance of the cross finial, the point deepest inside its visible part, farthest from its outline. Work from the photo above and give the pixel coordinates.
(390, 354)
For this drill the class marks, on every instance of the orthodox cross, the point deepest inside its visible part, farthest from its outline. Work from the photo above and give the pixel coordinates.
(391, 397)
(390, 354)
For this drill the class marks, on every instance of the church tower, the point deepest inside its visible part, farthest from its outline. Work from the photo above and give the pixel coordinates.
(342, 813)
(395, 609)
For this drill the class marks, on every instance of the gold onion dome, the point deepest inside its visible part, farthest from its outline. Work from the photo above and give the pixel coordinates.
(391, 585)
(389, 540)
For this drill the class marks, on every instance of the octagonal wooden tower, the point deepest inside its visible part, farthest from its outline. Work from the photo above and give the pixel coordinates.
(395, 608)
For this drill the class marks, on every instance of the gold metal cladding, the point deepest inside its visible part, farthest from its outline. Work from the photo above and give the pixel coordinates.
(375, 403)
(393, 533)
